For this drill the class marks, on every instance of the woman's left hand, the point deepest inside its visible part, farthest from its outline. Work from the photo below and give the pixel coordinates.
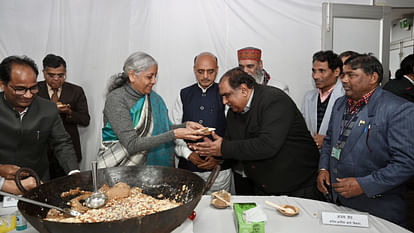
(187, 133)
(193, 125)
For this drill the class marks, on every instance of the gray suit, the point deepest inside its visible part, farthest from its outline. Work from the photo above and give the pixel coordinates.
(379, 152)
(310, 105)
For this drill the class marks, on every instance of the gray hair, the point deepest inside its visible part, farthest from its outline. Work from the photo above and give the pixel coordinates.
(138, 62)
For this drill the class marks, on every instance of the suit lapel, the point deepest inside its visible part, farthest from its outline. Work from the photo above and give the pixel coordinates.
(337, 119)
(43, 91)
(314, 109)
(360, 124)
(365, 119)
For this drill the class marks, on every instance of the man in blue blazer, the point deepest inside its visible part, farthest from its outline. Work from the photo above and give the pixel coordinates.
(368, 151)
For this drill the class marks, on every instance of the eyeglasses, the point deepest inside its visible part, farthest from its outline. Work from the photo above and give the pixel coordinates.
(23, 90)
(60, 75)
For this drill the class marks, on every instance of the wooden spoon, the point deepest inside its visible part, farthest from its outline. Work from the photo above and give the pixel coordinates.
(229, 203)
(286, 210)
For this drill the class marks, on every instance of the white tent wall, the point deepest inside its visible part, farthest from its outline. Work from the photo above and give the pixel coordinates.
(96, 36)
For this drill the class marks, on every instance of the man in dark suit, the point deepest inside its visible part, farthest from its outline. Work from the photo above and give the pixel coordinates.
(368, 151)
(28, 124)
(403, 84)
(267, 133)
(71, 103)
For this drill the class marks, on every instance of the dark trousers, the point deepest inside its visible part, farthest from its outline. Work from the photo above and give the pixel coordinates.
(410, 204)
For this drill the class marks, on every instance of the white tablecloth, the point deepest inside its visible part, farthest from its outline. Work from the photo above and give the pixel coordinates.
(210, 219)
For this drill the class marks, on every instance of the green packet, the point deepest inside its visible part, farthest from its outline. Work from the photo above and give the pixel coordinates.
(242, 226)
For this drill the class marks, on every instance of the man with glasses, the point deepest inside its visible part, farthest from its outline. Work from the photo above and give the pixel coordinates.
(29, 124)
(71, 102)
(268, 135)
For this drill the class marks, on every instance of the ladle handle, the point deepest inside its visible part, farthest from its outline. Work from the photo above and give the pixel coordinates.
(94, 173)
(211, 178)
(31, 201)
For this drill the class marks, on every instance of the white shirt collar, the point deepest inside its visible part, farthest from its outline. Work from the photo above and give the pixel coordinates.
(21, 113)
(204, 90)
(249, 103)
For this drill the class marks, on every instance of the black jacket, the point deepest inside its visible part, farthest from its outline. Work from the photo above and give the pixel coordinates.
(73, 95)
(24, 143)
(273, 143)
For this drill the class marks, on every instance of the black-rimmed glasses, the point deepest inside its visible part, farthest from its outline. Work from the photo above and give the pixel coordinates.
(53, 75)
(22, 90)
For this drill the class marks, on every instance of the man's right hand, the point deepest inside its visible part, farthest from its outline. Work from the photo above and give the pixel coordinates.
(318, 138)
(196, 159)
(11, 187)
(8, 171)
(323, 178)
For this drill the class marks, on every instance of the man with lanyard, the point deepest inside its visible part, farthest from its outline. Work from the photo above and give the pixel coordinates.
(250, 61)
(367, 153)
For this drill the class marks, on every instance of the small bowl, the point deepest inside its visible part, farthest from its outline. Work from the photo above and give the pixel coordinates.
(294, 208)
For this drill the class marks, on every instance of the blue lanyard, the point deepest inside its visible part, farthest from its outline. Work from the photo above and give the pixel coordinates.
(347, 123)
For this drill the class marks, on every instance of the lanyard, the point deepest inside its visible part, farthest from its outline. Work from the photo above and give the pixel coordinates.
(345, 124)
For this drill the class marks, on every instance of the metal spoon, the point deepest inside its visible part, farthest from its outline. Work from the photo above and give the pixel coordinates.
(97, 199)
(67, 211)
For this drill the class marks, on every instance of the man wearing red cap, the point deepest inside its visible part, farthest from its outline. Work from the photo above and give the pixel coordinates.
(250, 61)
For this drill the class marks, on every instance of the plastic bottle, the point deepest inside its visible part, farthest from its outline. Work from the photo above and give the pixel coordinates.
(7, 223)
(21, 223)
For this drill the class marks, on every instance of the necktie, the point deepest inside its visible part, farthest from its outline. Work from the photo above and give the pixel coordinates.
(55, 97)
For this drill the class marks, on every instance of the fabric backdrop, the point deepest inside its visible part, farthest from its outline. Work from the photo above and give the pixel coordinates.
(96, 36)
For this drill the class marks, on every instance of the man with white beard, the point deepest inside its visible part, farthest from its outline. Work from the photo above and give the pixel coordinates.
(250, 61)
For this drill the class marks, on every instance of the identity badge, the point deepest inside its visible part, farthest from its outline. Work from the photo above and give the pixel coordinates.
(336, 153)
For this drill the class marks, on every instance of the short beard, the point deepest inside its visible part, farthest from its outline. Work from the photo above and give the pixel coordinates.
(258, 76)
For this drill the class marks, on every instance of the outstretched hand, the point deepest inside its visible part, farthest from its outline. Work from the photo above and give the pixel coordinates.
(193, 125)
(208, 147)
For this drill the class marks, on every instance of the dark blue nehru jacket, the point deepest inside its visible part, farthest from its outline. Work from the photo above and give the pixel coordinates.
(205, 108)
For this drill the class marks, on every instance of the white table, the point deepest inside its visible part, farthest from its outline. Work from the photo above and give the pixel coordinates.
(210, 219)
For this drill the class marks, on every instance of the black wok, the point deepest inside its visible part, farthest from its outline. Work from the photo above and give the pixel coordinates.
(153, 179)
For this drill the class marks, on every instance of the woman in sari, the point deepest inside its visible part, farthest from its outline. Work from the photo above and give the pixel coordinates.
(137, 129)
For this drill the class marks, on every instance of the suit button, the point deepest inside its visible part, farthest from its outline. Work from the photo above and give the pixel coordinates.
(200, 121)
(201, 107)
(335, 170)
(204, 94)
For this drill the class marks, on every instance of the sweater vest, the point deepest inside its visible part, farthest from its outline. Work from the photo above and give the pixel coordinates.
(205, 108)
